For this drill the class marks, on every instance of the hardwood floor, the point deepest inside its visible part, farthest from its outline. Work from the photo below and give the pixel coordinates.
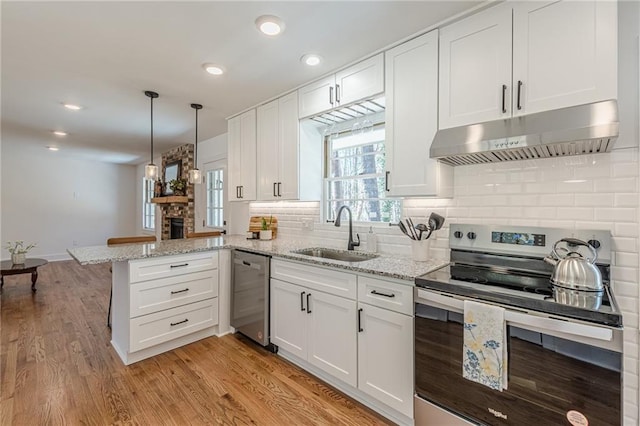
(58, 367)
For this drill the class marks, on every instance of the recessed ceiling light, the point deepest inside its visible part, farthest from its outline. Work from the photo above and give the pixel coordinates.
(311, 59)
(72, 107)
(52, 148)
(270, 25)
(59, 133)
(213, 69)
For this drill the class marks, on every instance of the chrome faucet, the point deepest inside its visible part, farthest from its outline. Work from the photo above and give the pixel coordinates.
(351, 243)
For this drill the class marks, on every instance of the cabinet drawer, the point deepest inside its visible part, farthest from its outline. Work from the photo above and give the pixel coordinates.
(327, 280)
(386, 294)
(171, 266)
(153, 329)
(157, 295)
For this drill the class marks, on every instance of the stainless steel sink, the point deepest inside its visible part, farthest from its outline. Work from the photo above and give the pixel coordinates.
(343, 255)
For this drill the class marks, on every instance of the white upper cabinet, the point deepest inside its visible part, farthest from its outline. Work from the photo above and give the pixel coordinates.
(411, 81)
(564, 54)
(475, 68)
(242, 156)
(360, 81)
(278, 136)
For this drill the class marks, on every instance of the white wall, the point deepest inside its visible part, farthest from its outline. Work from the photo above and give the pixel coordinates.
(56, 201)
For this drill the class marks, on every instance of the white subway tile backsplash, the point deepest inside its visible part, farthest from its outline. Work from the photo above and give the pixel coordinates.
(575, 187)
(629, 184)
(558, 200)
(626, 200)
(594, 200)
(621, 214)
(575, 213)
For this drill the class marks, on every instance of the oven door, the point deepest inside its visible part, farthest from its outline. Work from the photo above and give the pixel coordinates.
(559, 372)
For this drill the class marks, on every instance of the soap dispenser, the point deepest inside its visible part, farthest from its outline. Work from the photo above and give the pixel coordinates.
(372, 241)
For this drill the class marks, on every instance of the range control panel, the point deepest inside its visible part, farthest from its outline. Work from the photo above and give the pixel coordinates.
(524, 240)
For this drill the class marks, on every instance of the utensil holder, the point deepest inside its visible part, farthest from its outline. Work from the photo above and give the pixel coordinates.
(420, 250)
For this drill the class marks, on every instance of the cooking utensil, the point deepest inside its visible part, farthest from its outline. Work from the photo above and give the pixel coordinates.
(575, 280)
(404, 229)
(411, 228)
(435, 221)
(421, 227)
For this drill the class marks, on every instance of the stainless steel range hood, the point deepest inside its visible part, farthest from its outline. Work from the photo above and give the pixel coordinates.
(583, 129)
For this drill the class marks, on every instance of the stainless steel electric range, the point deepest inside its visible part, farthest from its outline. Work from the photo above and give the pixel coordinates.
(564, 360)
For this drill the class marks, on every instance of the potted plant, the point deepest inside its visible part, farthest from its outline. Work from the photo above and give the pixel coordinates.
(178, 186)
(18, 251)
(266, 233)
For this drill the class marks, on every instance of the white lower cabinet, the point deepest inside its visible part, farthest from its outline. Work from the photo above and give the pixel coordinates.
(163, 303)
(316, 327)
(385, 357)
(356, 328)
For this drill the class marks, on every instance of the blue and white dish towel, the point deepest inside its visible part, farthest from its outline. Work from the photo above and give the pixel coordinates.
(485, 356)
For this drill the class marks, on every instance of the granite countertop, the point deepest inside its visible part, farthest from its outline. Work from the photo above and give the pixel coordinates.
(400, 267)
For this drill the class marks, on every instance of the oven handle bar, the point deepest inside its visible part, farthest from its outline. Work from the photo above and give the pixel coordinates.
(521, 319)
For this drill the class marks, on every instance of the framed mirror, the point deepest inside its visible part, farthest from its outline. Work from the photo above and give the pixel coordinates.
(171, 171)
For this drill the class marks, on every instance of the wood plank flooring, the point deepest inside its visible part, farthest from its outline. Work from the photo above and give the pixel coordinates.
(57, 367)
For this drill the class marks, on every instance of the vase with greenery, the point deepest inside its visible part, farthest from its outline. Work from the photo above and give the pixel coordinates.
(178, 186)
(266, 233)
(18, 251)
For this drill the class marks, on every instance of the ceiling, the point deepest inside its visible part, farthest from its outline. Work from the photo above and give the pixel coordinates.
(104, 55)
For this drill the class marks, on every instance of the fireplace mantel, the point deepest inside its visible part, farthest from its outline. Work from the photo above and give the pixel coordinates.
(178, 199)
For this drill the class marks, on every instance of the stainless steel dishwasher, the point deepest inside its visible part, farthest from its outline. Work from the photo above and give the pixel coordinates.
(250, 296)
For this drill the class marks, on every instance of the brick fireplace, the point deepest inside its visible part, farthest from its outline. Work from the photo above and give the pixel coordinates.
(178, 210)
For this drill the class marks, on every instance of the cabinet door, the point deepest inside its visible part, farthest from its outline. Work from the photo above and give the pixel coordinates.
(475, 64)
(289, 317)
(234, 149)
(316, 97)
(268, 150)
(411, 74)
(361, 81)
(385, 357)
(248, 147)
(288, 160)
(333, 336)
(564, 54)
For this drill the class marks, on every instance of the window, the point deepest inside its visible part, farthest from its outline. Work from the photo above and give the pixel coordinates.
(215, 198)
(148, 208)
(355, 176)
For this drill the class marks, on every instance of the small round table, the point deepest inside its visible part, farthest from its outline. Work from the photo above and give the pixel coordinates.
(30, 266)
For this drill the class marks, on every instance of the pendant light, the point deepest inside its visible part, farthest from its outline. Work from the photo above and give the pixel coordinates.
(151, 170)
(195, 176)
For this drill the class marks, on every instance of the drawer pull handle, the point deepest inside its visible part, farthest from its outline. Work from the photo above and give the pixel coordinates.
(180, 322)
(308, 304)
(302, 308)
(360, 329)
(382, 294)
(179, 266)
(180, 291)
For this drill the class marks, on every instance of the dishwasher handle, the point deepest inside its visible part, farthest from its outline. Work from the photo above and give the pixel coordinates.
(243, 262)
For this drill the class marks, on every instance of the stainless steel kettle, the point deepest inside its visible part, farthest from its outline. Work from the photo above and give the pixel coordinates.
(572, 270)
(575, 280)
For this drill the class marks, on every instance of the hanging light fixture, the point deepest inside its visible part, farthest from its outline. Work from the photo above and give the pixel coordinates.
(151, 170)
(195, 176)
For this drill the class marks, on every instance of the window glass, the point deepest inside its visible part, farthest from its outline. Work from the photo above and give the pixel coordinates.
(215, 198)
(148, 208)
(355, 176)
